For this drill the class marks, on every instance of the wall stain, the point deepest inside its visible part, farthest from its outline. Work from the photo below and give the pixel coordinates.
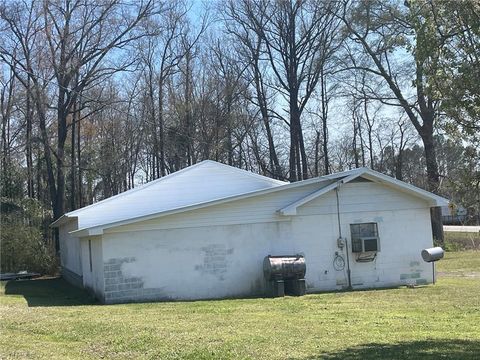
(214, 260)
(257, 287)
(415, 274)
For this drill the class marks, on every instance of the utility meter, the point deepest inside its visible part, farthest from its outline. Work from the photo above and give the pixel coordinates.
(340, 242)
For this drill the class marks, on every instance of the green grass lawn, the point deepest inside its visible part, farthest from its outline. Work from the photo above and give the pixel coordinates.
(457, 241)
(48, 319)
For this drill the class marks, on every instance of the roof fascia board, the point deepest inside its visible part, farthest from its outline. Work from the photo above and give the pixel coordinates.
(291, 209)
(87, 232)
(62, 220)
(432, 199)
(80, 233)
(59, 221)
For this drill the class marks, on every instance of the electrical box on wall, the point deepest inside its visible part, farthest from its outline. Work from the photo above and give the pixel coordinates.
(340, 243)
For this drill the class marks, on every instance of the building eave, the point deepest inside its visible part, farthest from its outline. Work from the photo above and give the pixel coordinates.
(62, 220)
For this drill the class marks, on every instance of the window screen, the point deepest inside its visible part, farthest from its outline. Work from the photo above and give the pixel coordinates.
(364, 237)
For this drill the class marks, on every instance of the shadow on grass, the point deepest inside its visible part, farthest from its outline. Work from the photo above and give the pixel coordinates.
(58, 292)
(49, 292)
(427, 349)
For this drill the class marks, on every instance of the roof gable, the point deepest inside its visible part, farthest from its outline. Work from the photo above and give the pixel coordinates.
(371, 175)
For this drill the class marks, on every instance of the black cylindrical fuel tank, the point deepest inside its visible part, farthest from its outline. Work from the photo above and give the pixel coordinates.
(287, 267)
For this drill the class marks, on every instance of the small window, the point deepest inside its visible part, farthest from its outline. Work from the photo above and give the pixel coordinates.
(364, 237)
(90, 253)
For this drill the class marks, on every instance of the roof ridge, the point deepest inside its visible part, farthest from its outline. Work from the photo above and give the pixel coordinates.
(344, 173)
(169, 176)
(248, 172)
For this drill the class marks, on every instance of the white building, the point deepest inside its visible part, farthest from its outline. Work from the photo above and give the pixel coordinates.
(204, 231)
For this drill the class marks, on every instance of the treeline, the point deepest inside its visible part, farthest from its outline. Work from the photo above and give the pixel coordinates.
(98, 97)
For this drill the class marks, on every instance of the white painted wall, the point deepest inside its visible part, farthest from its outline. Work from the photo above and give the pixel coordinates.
(218, 251)
(70, 253)
(205, 262)
(93, 279)
(404, 229)
(398, 259)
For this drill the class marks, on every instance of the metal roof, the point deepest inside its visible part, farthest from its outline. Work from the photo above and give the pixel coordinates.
(205, 181)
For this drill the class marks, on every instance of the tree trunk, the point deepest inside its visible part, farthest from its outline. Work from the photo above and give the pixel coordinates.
(274, 163)
(292, 158)
(433, 180)
(317, 157)
(46, 150)
(370, 130)
(325, 147)
(303, 153)
(298, 159)
(399, 159)
(362, 143)
(29, 115)
(324, 122)
(59, 206)
(79, 159)
(153, 118)
(399, 166)
(188, 104)
(298, 163)
(161, 126)
(72, 159)
(370, 148)
(354, 143)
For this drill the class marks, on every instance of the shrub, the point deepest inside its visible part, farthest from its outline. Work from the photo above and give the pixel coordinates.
(23, 246)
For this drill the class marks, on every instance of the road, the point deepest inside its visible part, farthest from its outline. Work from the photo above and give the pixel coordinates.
(454, 228)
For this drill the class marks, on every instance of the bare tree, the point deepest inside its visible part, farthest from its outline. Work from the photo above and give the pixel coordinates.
(250, 48)
(298, 36)
(381, 29)
(79, 36)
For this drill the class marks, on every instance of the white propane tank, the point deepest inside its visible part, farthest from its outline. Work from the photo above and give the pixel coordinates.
(432, 254)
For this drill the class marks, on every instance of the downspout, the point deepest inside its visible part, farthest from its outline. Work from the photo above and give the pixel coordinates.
(340, 238)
